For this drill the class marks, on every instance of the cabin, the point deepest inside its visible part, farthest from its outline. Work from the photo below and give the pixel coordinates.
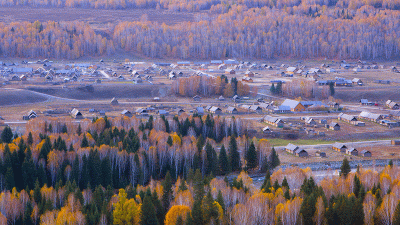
(232, 110)
(199, 110)
(247, 79)
(275, 121)
(365, 153)
(296, 150)
(334, 105)
(256, 108)
(236, 98)
(339, 147)
(179, 111)
(114, 101)
(395, 142)
(141, 112)
(162, 112)
(102, 113)
(196, 98)
(307, 104)
(126, 113)
(357, 81)
(347, 118)
(222, 67)
(291, 70)
(295, 106)
(30, 115)
(310, 121)
(366, 102)
(248, 73)
(15, 78)
(215, 110)
(76, 114)
(352, 151)
(266, 130)
(392, 105)
(221, 98)
(334, 126)
(370, 116)
(23, 77)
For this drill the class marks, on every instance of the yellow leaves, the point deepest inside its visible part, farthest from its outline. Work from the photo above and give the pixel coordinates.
(126, 211)
(220, 210)
(176, 140)
(244, 176)
(175, 212)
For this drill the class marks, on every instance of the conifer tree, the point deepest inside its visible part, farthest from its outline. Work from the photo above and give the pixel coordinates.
(234, 155)
(223, 162)
(7, 135)
(148, 215)
(345, 168)
(251, 157)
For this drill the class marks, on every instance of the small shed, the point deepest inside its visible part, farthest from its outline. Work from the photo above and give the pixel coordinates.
(366, 153)
(221, 98)
(320, 154)
(334, 126)
(395, 142)
(196, 98)
(232, 110)
(339, 147)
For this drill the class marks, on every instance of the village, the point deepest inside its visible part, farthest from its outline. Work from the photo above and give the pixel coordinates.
(115, 88)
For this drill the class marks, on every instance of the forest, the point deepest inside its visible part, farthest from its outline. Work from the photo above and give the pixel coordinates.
(129, 171)
(345, 29)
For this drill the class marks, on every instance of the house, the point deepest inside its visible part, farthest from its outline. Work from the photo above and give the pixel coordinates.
(366, 102)
(357, 81)
(221, 98)
(346, 118)
(330, 70)
(255, 108)
(156, 99)
(162, 112)
(236, 98)
(230, 71)
(320, 154)
(346, 83)
(395, 142)
(231, 110)
(323, 121)
(370, 116)
(291, 70)
(15, 78)
(222, 67)
(135, 73)
(275, 121)
(280, 109)
(366, 153)
(141, 112)
(339, 147)
(196, 98)
(356, 69)
(388, 123)
(334, 126)
(126, 113)
(295, 106)
(215, 110)
(30, 115)
(114, 101)
(199, 110)
(23, 77)
(352, 151)
(216, 62)
(102, 113)
(76, 114)
(310, 121)
(334, 105)
(248, 73)
(301, 153)
(291, 148)
(392, 105)
(266, 130)
(247, 79)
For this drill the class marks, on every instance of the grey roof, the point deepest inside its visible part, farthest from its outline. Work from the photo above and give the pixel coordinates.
(291, 103)
(272, 119)
(214, 109)
(75, 112)
(300, 150)
(125, 112)
(365, 151)
(309, 103)
(368, 115)
(292, 147)
(231, 109)
(333, 124)
(347, 117)
(255, 107)
(352, 150)
(364, 101)
(339, 145)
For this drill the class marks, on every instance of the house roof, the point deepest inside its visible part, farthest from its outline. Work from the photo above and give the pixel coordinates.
(365, 151)
(352, 150)
(291, 103)
(333, 124)
(339, 145)
(292, 147)
(231, 109)
(214, 109)
(125, 112)
(75, 112)
(374, 116)
(347, 117)
(309, 103)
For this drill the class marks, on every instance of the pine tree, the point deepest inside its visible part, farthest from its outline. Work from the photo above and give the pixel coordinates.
(28, 170)
(220, 200)
(272, 89)
(212, 160)
(345, 168)
(167, 192)
(9, 177)
(332, 88)
(285, 183)
(84, 143)
(79, 130)
(251, 157)
(148, 215)
(234, 155)
(30, 139)
(223, 162)
(7, 135)
(273, 159)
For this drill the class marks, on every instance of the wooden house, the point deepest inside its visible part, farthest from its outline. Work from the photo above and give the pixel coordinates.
(196, 98)
(179, 111)
(365, 153)
(334, 126)
(320, 154)
(339, 147)
(395, 142)
(232, 110)
(248, 73)
(275, 121)
(215, 110)
(352, 151)
(126, 113)
(347, 118)
(30, 115)
(141, 112)
(370, 116)
(392, 105)
(230, 71)
(114, 101)
(295, 106)
(255, 108)
(76, 114)
(247, 79)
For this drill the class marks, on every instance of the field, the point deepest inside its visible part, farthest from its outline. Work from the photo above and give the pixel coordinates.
(97, 18)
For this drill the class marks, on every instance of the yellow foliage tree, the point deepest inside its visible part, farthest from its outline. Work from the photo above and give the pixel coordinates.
(126, 211)
(175, 212)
